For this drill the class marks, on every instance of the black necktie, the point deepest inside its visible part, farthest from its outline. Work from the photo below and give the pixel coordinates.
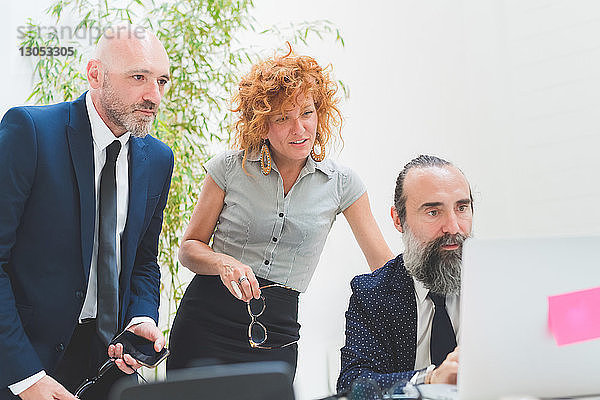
(443, 340)
(108, 277)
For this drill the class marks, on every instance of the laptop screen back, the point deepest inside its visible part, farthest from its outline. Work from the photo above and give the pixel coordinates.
(268, 380)
(506, 347)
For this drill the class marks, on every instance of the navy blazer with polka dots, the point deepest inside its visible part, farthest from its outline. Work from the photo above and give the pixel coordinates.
(381, 328)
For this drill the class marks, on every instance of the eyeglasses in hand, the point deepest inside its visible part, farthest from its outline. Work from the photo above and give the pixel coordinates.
(257, 332)
(104, 368)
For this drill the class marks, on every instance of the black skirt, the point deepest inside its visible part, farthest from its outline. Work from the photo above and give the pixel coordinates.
(211, 326)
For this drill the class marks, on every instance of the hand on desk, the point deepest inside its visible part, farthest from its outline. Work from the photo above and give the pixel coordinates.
(447, 372)
(46, 388)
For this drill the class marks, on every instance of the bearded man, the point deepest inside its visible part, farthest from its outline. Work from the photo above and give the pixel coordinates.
(83, 188)
(402, 321)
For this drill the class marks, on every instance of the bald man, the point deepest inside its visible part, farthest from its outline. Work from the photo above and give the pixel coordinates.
(82, 192)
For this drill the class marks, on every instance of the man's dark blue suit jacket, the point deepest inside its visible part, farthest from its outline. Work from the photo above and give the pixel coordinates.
(381, 328)
(47, 212)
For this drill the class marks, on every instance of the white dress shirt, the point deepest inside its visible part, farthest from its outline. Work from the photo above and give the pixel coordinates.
(102, 136)
(425, 310)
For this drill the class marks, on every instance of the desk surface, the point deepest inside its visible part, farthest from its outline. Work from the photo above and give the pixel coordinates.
(449, 392)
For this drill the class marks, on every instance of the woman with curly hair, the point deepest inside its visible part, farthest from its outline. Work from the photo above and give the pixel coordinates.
(268, 208)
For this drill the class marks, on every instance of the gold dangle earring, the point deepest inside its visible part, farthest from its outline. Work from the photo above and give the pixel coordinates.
(265, 158)
(321, 156)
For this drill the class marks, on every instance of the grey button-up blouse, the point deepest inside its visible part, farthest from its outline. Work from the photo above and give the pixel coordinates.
(279, 237)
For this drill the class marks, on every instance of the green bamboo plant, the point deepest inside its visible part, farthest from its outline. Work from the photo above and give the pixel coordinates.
(206, 63)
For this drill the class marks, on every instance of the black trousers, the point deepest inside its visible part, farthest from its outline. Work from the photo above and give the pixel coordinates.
(211, 326)
(83, 356)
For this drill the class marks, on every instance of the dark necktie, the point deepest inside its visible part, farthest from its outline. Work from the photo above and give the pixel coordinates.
(443, 340)
(108, 277)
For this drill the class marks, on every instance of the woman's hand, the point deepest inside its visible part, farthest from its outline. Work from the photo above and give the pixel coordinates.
(196, 254)
(240, 280)
(199, 257)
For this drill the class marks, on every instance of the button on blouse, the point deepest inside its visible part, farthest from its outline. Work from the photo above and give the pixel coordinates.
(279, 236)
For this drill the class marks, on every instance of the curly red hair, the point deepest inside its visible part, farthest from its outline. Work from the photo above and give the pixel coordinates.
(273, 86)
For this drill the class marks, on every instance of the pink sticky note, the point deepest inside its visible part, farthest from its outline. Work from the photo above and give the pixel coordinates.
(574, 317)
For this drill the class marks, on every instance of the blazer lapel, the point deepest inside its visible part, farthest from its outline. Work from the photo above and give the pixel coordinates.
(79, 137)
(136, 209)
(406, 306)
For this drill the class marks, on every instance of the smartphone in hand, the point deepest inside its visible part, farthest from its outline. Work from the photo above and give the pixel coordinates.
(140, 348)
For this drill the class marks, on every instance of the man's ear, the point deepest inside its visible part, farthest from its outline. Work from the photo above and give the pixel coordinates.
(94, 74)
(396, 219)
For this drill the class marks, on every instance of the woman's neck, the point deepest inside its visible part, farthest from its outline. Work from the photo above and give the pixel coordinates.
(289, 171)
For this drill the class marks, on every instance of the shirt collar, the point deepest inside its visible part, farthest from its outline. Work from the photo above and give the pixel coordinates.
(101, 134)
(324, 167)
(253, 156)
(421, 291)
(310, 166)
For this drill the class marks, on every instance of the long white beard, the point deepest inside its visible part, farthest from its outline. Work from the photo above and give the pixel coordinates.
(439, 270)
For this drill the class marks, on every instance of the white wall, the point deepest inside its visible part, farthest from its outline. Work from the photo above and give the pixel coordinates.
(17, 69)
(506, 89)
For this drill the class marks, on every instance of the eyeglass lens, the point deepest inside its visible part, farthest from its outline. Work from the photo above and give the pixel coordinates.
(83, 387)
(258, 333)
(256, 306)
(108, 364)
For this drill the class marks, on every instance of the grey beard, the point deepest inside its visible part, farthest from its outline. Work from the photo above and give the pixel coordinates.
(124, 116)
(438, 270)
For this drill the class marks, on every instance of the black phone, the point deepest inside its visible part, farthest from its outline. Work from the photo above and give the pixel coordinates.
(140, 348)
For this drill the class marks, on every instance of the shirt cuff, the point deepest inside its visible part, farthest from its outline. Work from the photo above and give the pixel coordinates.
(139, 320)
(420, 376)
(21, 386)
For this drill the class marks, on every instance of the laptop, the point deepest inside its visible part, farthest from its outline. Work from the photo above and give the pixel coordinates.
(269, 380)
(506, 346)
